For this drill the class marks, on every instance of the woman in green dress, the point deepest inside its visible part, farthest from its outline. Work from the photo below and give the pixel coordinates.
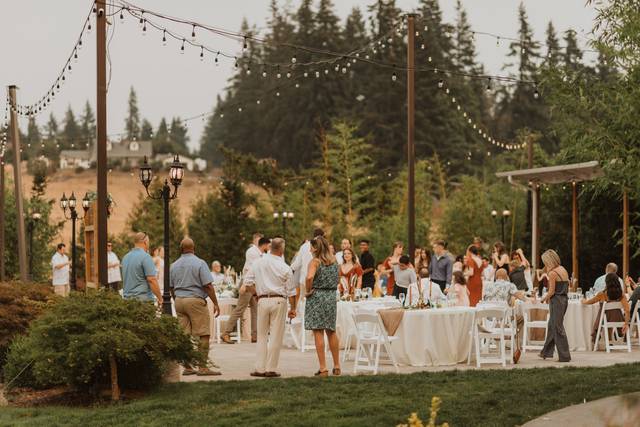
(321, 306)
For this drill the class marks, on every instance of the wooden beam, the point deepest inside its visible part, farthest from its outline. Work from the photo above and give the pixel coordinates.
(574, 231)
(625, 233)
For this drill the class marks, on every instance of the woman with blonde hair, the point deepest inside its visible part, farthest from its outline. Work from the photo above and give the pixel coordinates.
(321, 306)
(558, 302)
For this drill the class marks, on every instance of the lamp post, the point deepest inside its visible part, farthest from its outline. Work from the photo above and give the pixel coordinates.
(70, 204)
(285, 216)
(31, 226)
(176, 173)
(506, 213)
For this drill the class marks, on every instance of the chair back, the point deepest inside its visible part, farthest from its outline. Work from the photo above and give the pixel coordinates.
(366, 324)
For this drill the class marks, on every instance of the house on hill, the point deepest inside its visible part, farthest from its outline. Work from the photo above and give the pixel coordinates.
(126, 153)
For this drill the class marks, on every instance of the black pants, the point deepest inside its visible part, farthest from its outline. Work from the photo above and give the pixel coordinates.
(441, 283)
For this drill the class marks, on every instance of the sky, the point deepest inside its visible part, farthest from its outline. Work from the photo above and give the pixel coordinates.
(38, 36)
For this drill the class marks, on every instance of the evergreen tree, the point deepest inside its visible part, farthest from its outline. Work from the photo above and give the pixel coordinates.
(552, 58)
(87, 126)
(52, 127)
(147, 215)
(146, 130)
(161, 139)
(132, 122)
(178, 136)
(572, 55)
(221, 224)
(71, 134)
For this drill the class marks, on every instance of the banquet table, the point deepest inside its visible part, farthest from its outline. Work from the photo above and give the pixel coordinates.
(434, 337)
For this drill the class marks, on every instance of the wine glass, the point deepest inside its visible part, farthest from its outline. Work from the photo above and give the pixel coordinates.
(384, 291)
(401, 298)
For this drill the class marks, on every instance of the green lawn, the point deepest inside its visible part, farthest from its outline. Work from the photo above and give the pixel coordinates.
(472, 398)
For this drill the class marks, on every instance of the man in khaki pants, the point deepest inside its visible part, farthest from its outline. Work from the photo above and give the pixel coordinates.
(271, 277)
(247, 296)
(190, 282)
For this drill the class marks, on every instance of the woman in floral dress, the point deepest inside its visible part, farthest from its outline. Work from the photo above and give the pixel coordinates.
(321, 306)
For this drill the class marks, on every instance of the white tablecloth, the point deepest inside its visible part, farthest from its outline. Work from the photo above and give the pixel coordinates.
(344, 320)
(434, 337)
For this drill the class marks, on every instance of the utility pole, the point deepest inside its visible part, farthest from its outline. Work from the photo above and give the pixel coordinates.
(101, 127)
(411, 205)
(17, 178)
(625, 233)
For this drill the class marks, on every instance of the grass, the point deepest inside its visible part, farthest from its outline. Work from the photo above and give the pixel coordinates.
(470, 398)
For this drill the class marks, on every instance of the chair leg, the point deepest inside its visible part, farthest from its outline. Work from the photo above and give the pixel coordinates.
(387, 346)
(377, 358)
(525, 332)
(595, 344)
(606, 338)
(216, 330)
(469, 352)
(503, 351)
(477, 339)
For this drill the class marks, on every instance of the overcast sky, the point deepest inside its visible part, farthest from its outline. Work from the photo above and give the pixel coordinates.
(38, 35)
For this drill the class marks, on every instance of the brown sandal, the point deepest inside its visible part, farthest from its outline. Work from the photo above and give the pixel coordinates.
(324, 373)
(337, 372)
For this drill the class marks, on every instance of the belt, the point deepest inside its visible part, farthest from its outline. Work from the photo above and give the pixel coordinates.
(270, 296)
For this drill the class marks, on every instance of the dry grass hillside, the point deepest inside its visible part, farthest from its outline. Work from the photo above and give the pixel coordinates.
(125, 188)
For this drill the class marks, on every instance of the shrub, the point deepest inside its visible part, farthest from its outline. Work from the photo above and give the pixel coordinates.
(85, 339)
(19, 304)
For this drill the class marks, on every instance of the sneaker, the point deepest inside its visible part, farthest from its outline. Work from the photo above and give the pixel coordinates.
(202, 372)
(188, 371)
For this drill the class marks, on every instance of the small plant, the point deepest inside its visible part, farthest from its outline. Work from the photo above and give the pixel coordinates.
(415, 421)
(98, 340)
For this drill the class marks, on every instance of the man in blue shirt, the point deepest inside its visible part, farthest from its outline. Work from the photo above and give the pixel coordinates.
(139, 274)
(441, 267)
(190, 284)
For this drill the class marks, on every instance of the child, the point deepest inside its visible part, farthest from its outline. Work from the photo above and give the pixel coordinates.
(459, 286)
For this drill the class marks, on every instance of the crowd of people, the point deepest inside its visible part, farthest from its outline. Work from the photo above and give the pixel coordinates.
(274, 291)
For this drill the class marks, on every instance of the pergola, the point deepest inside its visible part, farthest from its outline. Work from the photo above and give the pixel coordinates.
(532, 179)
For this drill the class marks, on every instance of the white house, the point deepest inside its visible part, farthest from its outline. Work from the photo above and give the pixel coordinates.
(129, 153)
(190, 164)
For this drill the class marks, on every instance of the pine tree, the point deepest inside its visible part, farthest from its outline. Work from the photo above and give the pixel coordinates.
(132, 122)
(87, 126)
(178, 136)
(146, 130)
(52, 127)
(161, 141)
(552, 58)
(221, 224)
(71, 134)
(572, 55)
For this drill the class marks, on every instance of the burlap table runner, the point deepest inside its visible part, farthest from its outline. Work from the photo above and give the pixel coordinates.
(391, 319)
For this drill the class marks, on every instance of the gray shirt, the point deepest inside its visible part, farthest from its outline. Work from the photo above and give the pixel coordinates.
(189, 276)
(441, 268)
(404, 277)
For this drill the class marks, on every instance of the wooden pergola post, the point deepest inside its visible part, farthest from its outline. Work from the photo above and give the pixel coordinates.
(574, 231)
(535, 200)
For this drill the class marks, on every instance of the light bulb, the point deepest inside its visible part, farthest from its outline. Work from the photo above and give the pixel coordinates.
(248, 71)
(426, 28)
(441, 84)
(317, 74)
(306, 74)
(182, 47)
(258, 102)
(394, 77)
(344, 70)
(279, 75)
(288, 75)
(536, 94)
(277, 93)
(422, 46)
(294, 59)
(144, 28)
(264, 74)
(164, 37)
(193, 32)
(201, 53)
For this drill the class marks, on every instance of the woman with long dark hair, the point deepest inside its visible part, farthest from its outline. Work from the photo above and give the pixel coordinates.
(500, 257)
(612, 293)
(393, 259)
(473, 264)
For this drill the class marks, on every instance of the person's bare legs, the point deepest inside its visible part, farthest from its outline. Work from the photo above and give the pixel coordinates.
(334, 346)
(318, 336)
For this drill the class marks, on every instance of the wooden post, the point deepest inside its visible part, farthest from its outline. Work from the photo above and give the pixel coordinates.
(411, 205)
(2, 207)
(574, 231)
(625, 233)
(101, 128)
(535, 200)
(17, 178)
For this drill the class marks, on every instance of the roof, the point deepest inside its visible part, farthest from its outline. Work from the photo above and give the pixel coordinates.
(555, 174)
(75, 154)
(120, 150)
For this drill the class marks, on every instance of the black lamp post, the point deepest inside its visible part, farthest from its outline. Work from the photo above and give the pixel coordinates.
(31, 226)
(506, 213)
(285, 216)
(176, 173)
(70, 204)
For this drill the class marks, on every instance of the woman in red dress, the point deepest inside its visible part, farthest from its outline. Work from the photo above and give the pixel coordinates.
(473, 264)
(388, 265)
(350, 273)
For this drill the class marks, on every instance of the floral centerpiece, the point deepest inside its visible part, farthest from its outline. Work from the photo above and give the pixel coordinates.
(228, 288)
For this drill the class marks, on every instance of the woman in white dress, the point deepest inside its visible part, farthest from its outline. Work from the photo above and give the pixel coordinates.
(158, 260)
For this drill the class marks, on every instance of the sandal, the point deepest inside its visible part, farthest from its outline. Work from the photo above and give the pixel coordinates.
(324, 373)
(337, 372)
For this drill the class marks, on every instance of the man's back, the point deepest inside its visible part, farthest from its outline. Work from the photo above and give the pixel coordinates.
(137, 265)
(189, 276)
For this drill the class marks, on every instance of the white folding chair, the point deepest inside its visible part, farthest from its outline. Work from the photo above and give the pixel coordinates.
(635, 320)
(605, 325)
(533, 324)
(498, 317)
(217, 326)
(371, 338)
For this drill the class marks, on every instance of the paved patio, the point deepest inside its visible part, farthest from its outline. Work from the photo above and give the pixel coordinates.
(236, 361)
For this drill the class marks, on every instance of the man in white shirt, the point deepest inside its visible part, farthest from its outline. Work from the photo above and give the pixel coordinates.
(271, 277)
(599, 285)
(430, 291)
(247, 296)
(114, 277)
(300, 263)
(488, 272)
(60, 265)
(344, 245)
